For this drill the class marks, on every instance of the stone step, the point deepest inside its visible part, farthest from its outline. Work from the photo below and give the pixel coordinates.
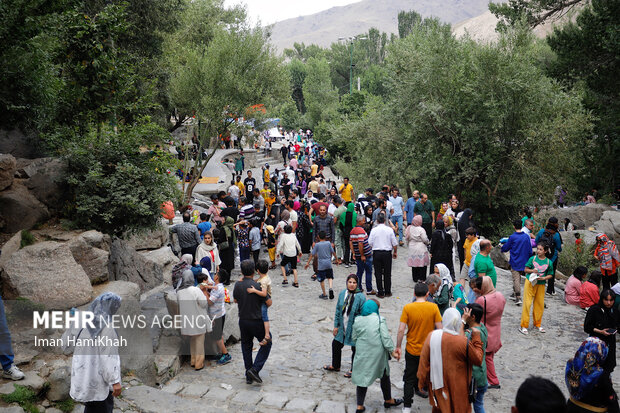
(151, 400)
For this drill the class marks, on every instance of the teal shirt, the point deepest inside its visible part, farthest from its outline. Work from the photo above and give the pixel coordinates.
(459, 292)
(424, 210)
(480, 372)
(485, 265)
(544, 267)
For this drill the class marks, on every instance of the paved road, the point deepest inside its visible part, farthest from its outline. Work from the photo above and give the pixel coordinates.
(302, 324)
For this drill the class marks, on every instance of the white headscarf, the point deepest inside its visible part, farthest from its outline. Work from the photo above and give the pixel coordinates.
(616, 288)
(446, 278)
(451, 320)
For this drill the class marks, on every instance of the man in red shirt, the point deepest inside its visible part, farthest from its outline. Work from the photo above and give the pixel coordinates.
(358, 241)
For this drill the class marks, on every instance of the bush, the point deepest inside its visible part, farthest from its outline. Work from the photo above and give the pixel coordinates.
(116, 185)
(27, 239)
(23, 396)
(571, 258)
(66, 406)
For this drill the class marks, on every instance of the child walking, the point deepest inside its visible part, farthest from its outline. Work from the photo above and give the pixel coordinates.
(271, 246)
(265, 284)
(323, 251)
(539, 269)
(289, 247)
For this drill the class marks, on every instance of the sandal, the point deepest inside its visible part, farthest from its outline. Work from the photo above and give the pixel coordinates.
(264, 341)
(313, 276)
(330, 368)
(284, 282)
(348, 374)
(272, 267)
(296, 285)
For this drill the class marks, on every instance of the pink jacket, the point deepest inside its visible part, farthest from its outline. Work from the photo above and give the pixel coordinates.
(571, 291)
(492, 318)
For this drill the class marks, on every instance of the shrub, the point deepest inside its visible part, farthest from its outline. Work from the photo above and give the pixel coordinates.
(27, 239)
(66, 406)
(116, 185)
(23, 396)
(571, 257)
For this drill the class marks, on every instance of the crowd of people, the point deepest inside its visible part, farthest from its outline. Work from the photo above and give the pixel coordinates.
(452, 328)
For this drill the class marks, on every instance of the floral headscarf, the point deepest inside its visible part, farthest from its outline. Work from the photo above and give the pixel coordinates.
(104, 306)
(607, 252)
(584, 370)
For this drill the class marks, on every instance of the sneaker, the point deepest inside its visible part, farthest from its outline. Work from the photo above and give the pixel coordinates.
(421, 393)
(13, 373)
(331, 294)
(512, 297)
(406, 409)
(548, 294)
(225, 359)
(372, 292)
(523, 331)
(494, 386)
(553, 293)
(542, 330)
(323, 297)
(518, 302)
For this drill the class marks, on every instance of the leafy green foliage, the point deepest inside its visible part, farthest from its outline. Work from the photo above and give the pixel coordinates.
(27, 239)
(573, 256)
(23, 396)
(407, 20)
(320, 97)
(115, 186)
(535, 12)
(65, 406)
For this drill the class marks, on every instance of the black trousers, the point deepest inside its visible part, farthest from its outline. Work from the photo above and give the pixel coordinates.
(190, 250)
(418, 274)
(382, 261)
(609, 279)
(551, 281)
(255, 255)
(428, 228)
(103, 406)
(410, 377)
(385, 389)
(337, 347)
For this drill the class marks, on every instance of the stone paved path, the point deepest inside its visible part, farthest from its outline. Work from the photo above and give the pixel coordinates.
(302, 323)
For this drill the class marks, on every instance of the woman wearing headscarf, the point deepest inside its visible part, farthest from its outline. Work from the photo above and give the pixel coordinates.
(602, 321)
(465, 221)
(417, 243)
(304, 226)
(493, 303)
(441, 296)
(226, 247)
(606, 253)
(446, 363)
(95, 369)
(589, 385)
(373, 346)
(450, 228)
(185, 263)
(348, 220)
(208, 248)
(193, 308)
(348, 307)
(441, 248)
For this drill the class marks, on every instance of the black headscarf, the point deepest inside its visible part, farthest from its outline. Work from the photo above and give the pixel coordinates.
(465, 222)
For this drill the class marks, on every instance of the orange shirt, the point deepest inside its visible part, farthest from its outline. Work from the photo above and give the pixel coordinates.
(420, 319)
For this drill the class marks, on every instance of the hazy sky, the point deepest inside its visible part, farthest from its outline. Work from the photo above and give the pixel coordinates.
(271, 11)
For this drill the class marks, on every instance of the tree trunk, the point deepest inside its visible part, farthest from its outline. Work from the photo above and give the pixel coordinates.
(192, 184)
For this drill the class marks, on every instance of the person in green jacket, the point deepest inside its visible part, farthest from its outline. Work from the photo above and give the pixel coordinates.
(439, 287)
(348, 307)
(479, 373)
(373, 346)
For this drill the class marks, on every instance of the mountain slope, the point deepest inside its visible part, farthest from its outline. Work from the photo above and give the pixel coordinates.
(326, 27)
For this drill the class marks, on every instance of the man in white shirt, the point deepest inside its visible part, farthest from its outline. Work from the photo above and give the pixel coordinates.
(234, 192)
(289, 207)
(384, 248)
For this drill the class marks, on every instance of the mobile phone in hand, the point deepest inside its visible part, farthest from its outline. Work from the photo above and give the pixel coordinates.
(611, 331)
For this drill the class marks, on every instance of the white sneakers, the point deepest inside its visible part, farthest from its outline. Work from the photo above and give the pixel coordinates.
(13, 373)
(523, 330)
(406, 409)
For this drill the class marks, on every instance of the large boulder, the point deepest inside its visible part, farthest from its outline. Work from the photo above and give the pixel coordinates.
(93, 260)
(18, 144)
(500, 259)
(165, 258)
(231, 333)
(10, 247)
(19, 209)
(7, 170)
(137, 357)
(45, 181)
(588, 237)
(97, 239)
(582, 217)
(126, 264)
(148, 240)
(59, 384)
(609, 224)
(46, 273)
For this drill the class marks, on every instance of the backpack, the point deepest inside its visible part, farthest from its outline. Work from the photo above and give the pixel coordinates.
(547, 238)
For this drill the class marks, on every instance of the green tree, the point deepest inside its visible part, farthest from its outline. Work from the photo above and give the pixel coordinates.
(535, 12)
(297, 72)
(319, 95)
(406, 22)
(588, 58)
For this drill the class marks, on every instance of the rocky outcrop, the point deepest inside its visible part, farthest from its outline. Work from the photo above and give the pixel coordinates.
(126, 264)
(500, 259)
(582, 217)
(18, 144)
(44, 181)
(46, 273)
(165, 258)
(609, 224)
(148, 240)
(137, 356)
(93, 260)
(9, 248)
(20, 209)
(7, 170)
(59, 384)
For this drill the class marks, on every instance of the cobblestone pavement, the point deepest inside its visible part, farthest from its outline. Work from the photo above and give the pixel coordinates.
(302, 323)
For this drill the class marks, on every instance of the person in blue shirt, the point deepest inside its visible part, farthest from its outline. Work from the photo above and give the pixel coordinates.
(408, 213)
(397, 216)
(204, 225)
(520, 249)
(551, 232)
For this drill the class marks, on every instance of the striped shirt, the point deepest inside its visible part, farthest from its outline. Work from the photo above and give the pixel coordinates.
(359, 235)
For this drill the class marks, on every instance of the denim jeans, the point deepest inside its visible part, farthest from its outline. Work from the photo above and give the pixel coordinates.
(6, 351)
(250, 330)
(364, 266)
(479, 400)
(398, 221)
